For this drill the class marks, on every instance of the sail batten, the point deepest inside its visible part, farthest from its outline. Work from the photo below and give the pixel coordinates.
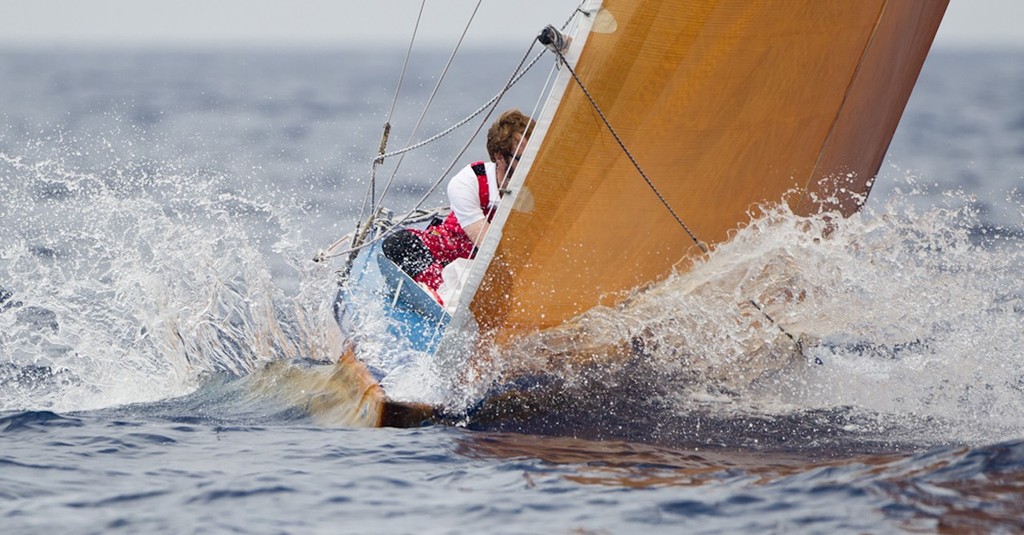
(724, 104)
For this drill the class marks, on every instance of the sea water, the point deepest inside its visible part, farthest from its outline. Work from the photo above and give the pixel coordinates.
(158, 214)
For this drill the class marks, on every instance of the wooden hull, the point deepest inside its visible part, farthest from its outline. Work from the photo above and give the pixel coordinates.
(343, 394)
(726, 107)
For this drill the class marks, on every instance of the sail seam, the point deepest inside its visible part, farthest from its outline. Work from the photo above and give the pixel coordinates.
(842, 106)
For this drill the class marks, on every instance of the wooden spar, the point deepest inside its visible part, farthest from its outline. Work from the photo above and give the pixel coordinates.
(725, 105)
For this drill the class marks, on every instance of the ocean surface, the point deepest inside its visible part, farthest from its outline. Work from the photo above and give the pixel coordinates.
(159, 210)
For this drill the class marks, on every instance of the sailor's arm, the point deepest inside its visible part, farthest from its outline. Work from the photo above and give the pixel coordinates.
(476, 231)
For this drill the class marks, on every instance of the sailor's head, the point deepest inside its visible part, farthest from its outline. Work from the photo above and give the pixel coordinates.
(506, 140)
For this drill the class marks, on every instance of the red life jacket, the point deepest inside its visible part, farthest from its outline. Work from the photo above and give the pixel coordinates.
(448, 240)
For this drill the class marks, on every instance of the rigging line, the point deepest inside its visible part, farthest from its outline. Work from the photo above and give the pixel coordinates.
(357, 244)
(360, 234)
(405, 66)
(414, 216)
(430, 100)
(622, 145)
(455, 160)
(369, 198)
(470, 117)
(796, 341)
(406, 218)
(466, 120)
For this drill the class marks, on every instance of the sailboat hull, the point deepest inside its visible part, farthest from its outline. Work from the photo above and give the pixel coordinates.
(674, 122)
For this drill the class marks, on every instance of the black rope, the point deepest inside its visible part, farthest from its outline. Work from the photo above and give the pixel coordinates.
(556, 44)
(796, 342)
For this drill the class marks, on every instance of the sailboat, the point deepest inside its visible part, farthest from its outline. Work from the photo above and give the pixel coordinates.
(668, 123)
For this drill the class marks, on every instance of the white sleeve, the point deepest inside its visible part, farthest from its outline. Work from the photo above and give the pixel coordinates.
(464, 197)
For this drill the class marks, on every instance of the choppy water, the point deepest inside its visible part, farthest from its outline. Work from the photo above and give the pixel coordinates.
(157, 214)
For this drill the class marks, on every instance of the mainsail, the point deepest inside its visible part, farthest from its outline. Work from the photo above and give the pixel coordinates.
(724, 104)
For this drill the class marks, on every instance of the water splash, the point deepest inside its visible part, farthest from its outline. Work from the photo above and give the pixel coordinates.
(916, 313)
(134, 282)
(909, 323)
(137, 281)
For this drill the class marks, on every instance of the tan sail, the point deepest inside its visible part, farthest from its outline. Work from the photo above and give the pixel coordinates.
(724, 104)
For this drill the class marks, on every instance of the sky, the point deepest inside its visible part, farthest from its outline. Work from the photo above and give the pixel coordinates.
(334, 23)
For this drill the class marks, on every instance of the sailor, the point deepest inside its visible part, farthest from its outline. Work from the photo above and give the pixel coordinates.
(473, 193)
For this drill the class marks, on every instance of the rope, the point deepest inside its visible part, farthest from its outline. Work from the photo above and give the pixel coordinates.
(557, 45)
(405, 65)
(464, 121)
(796, 342)
(430, 100)
(479, 110)
(369, 198)
(384, 228)
(356, 247)
(359, 235)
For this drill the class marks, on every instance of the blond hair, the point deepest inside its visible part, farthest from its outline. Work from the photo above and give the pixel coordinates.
(502, 136)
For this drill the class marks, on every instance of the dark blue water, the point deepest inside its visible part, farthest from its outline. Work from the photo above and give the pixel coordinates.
(158, 211)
